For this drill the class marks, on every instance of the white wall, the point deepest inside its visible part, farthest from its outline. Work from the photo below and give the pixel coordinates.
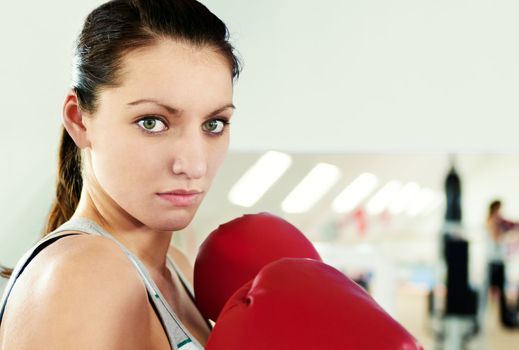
(376, 75)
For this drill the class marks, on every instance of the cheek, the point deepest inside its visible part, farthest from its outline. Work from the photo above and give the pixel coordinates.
(217, 155)
(122, 167)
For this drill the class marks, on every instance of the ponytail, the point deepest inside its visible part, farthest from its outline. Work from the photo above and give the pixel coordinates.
(68, 189)
(68, 184)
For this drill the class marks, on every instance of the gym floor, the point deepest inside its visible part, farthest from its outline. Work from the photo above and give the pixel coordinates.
(411, 311)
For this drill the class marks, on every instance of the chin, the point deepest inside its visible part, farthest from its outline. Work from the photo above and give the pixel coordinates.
(172, 222)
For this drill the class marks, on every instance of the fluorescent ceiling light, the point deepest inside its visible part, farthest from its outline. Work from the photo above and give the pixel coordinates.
(420, 202)
(312, 188)
(355, 193)
(379, 202)
(259, 178)
(403, 198)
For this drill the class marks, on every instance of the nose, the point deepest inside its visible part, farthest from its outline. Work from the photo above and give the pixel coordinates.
(190, 157)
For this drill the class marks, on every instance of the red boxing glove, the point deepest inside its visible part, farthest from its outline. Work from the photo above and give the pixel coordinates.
(236, 251)
(305, 304)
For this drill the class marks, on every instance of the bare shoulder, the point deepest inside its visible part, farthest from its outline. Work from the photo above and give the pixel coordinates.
(182, 262)
(80, 292)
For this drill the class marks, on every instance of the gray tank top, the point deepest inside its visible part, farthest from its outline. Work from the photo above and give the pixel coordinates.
(178, 335)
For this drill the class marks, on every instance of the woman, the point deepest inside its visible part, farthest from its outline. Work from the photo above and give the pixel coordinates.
(145, 131)
(498, 228)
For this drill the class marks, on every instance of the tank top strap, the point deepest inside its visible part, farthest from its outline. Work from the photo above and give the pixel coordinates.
(23, 262)
(181, 275)
(187, 285)
(178, 335)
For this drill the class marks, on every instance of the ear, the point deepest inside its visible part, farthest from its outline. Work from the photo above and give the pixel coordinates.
(73, 120)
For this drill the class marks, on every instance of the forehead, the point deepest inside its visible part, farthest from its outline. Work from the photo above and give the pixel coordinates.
(182, 73)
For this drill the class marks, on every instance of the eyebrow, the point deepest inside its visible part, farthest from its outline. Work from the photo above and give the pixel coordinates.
(174, 110)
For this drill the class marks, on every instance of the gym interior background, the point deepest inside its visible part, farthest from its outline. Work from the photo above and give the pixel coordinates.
(394, 92)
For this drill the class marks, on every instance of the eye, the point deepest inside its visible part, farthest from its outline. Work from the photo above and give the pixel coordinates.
(215, 126)
(152, 125)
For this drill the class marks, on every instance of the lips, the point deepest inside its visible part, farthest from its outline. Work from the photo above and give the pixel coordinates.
(181, 197)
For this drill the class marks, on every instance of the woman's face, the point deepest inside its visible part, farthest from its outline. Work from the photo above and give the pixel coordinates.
(163, 129)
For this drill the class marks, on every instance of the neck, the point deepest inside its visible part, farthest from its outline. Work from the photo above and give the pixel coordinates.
(149, 245)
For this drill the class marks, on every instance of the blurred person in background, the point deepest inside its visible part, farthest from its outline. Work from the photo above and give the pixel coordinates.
(499, 230)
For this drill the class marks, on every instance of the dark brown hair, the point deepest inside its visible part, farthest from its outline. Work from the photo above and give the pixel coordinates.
(5, 272)
(494, 206)
(110, 31)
